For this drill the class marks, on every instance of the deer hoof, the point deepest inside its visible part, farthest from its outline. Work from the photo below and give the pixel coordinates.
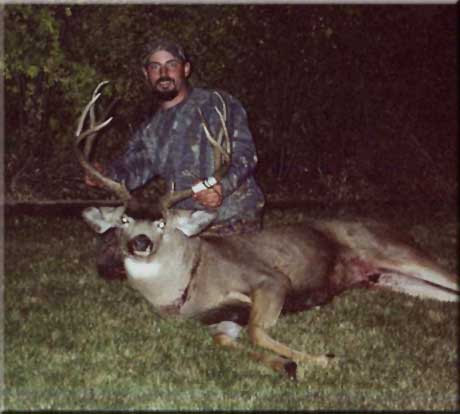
(323, 361)
(326, 360)
(290, 369)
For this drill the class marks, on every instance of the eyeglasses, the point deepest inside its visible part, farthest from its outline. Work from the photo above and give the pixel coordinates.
(172, 64)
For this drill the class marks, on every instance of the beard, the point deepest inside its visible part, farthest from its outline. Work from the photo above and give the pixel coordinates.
(165, 95)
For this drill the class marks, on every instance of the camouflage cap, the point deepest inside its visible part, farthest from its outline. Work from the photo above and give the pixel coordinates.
(163, 44)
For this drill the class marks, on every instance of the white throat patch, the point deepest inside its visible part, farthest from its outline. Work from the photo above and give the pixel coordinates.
(138, 269)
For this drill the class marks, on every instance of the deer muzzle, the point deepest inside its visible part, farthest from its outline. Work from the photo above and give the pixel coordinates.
(140, 245)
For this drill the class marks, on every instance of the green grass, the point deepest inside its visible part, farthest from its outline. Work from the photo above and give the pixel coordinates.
(73, 341)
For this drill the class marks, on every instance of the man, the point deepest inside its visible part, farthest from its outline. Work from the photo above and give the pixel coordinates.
(173, 145)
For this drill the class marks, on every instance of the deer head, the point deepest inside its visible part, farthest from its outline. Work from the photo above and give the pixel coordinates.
(139, 239)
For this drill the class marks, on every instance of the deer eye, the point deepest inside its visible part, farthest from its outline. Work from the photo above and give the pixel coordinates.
(125, 219)
(160, 225)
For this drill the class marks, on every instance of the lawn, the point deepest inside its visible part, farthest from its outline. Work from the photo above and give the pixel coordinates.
(74, 341)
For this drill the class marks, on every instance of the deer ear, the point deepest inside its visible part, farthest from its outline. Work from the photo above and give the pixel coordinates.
(190, 223)
(103, 218)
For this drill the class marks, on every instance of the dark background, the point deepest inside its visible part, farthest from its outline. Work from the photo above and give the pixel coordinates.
(347, 103)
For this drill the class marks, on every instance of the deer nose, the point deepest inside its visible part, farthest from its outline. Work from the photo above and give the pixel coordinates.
(140, 243)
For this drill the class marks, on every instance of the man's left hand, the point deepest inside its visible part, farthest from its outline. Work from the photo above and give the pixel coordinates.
(211, 197)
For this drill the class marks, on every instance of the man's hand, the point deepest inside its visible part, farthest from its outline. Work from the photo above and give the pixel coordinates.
(211, 197)
(90, 181)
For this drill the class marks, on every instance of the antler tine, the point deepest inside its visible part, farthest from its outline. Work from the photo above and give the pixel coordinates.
(88, 137)
(96, 95)
(221, 153)
(83, 115)
(99, 86)
(92, 131)
(223, 118)
(92, 121)
(223, 147)
(173, 197)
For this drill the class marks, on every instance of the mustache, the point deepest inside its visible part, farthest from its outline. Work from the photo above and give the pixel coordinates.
(164, 79)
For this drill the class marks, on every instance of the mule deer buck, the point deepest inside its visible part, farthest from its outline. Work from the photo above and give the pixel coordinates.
(249, 279)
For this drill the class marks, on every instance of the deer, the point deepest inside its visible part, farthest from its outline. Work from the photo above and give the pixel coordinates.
(246, 281)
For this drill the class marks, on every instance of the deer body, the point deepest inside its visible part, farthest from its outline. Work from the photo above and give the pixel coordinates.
(217, 270)
(320, 258)
(289, 261)
(248, 279)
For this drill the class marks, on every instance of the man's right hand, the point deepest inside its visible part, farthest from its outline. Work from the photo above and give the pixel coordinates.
(92, 182)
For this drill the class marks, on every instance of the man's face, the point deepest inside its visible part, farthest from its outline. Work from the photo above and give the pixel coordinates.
(167, 76)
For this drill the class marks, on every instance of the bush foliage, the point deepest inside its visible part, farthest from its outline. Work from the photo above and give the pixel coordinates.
(345, 101)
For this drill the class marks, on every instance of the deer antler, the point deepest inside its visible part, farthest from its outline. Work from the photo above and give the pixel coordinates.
(221, 147)
(222, 157)
(88, 137)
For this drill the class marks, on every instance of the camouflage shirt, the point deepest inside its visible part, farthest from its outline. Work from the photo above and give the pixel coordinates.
(172, 144)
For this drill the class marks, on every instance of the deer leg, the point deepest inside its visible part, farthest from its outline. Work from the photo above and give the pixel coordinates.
(110, 259)
(279, 364)
(429, 271)
(414, 287)
(267, 303)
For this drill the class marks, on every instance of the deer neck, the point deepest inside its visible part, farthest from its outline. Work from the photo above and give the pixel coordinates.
(164, 280)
